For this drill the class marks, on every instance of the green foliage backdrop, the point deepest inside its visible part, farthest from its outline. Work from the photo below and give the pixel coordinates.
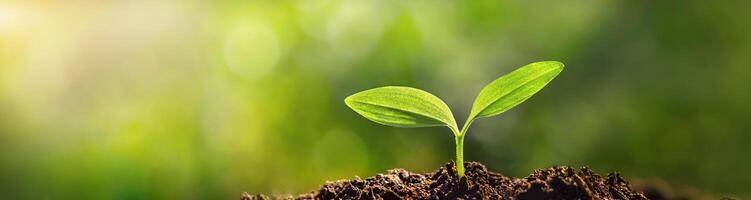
(199, 100)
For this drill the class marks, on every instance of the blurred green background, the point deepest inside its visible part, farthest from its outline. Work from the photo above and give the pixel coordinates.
(198, 100)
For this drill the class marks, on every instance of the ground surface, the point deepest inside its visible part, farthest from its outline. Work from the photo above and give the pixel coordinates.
(479, 183)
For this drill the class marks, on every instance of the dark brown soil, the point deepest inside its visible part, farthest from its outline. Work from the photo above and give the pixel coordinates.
(479, 183)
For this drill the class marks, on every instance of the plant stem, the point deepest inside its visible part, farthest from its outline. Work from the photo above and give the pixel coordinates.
(460, 146)
(460, 155)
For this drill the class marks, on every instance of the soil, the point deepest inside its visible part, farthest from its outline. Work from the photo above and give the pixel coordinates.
(479, 183)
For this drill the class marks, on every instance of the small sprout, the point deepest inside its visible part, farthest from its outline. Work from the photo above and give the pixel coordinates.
(410, 107)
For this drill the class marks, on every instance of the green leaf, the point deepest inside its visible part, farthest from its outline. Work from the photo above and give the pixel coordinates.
(401, 107)
(512, 89)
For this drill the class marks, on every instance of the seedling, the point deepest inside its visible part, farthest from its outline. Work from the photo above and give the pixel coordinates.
(410, 107)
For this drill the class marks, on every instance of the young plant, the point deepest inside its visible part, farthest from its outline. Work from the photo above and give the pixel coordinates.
(410, 107)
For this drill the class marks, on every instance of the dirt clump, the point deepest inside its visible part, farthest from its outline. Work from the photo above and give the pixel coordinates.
(478, 183)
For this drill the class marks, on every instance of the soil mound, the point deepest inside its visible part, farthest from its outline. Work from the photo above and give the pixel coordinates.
(479, 183)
